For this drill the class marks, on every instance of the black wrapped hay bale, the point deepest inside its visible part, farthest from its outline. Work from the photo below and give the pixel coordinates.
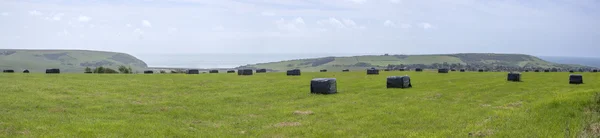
(462, 70)
(9, 71)
(575, 79)
(216, 71)
(25, 71)
(372, 72)
(323, 86)
(402, 69)
(323, 70)
(346, 70)
(546, 70)
(148, 72)
(261, 70)
(231, 71)
(244, 72)
(294, 72)
(419, 70)
(514, 76)
(386, 69)
(398, 82)
(526, 70)
(571, 71)
(442, 70)
(536, 71)
(52, 71)
(452, 70)
(594, 70)
(480, 70)
(193, 71)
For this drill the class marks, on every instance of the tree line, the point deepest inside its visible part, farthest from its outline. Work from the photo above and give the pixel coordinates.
(101, 70)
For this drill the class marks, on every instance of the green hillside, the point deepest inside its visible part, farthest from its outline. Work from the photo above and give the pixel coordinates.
(459, 60)
(66, 60)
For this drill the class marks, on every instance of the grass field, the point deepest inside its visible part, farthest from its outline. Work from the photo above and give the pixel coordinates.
(274, 105)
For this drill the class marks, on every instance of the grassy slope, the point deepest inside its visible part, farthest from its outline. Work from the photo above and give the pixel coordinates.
(35, 61)
(412, 59)
(226, 105)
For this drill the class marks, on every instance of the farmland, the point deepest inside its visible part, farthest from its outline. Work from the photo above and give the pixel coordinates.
(275, 105)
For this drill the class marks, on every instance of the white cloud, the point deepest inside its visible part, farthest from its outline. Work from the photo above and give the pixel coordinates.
(294, 25)
(405, 26)
(84, 19)
(128, 25)
(57, 17)
(4, 13)
(173, 29)
(332, 22)
(396, 1)
(35, 13)
(426, 26)
(389, 23)
(359, 1)
(218, 28)
(345, 23)
(146, 23)
(267, 13)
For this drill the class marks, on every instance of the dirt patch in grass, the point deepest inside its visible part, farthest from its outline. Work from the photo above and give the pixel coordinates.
(57, 110)
(288, 124)
(512, 105)
(484, 133)
(303, 112)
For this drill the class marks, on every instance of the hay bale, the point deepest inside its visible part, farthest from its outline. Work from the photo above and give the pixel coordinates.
(462, 70)
(231, 71)
(294, 72)
(514, 76)
(402, 69)
(575, 79)
(346, 70)
(193, 71)
(546, 70)
(526, 70)
(594, 70)
(261, 70)
(571, 71)
(323, 70)
(214, 71)
(88, 72)
(25, 71)
(386, 69)
(245, 72)
(419, 70)
(148, 72)
(9, 71)
(452, 70)
(52, 71)
(398, 82)
(480, 70)
(536, 71)
(372, 71)
(323, 86)
(442, 70)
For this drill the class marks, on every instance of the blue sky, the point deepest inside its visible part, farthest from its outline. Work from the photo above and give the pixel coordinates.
(536, 27)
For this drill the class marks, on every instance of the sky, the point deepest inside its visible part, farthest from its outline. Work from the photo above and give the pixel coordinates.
(536, 27)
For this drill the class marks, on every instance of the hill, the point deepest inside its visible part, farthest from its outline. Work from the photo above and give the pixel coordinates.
(466, 60)
(66, 60)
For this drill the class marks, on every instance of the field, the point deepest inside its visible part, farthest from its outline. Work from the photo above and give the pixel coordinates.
(274, 105)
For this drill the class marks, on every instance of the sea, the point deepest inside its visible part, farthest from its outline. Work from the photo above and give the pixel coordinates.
(220, 60)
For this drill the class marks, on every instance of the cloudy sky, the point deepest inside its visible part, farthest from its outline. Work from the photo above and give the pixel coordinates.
(537, 27)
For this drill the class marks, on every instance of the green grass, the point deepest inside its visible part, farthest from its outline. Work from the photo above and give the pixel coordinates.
(227, 105)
